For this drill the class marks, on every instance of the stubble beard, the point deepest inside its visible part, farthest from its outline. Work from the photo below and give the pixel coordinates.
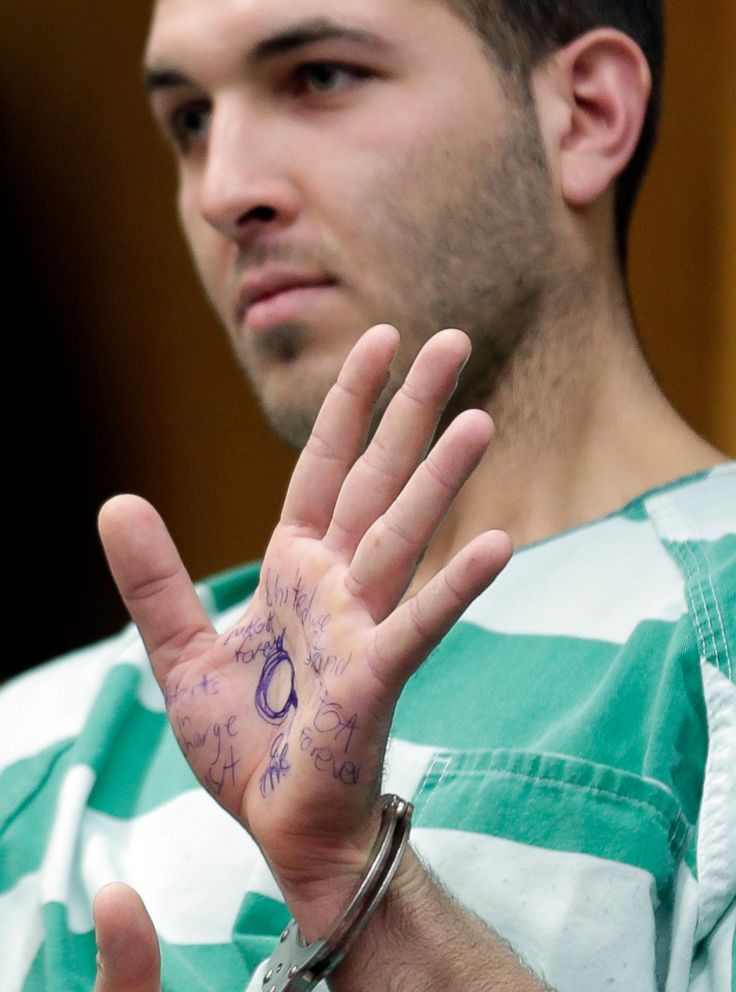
(281, 345)
(479, 257)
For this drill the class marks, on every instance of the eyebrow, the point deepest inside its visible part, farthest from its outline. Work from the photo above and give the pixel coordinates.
(163, 79)
(307, 33)
(289, 39)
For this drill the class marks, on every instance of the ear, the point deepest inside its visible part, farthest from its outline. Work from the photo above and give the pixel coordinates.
(604, 82)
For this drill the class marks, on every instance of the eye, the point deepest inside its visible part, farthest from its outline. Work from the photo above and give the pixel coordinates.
(189, 124)
(327, 77)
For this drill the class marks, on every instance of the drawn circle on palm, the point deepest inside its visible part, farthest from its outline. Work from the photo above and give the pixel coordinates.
(276, 691)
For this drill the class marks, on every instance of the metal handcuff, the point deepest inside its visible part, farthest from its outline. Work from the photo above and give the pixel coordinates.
(297, 967)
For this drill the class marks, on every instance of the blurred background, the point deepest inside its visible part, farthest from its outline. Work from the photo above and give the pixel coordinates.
(123, 381)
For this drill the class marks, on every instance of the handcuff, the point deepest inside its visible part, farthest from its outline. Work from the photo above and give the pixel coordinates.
(296, 966)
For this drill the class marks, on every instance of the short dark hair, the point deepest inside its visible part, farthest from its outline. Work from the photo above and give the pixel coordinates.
(521, 34)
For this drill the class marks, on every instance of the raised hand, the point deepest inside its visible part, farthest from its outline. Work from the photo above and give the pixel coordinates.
(285, 717)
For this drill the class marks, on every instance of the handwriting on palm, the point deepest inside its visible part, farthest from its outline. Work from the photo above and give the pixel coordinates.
(287, 714)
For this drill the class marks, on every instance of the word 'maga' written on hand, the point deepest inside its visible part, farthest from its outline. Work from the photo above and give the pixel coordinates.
(210, 748)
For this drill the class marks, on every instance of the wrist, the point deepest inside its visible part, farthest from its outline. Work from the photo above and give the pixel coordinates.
(318, 889)
(300, 963)
(395, 931)
(339, 903)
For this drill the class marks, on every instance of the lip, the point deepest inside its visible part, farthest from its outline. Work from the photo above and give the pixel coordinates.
(265, 298)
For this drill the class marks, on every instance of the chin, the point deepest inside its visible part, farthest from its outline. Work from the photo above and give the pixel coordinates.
(291, 397)
(293, 425)
(291, 368)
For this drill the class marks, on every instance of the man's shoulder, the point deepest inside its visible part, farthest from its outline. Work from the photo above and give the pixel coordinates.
(696, 524)
(699, 508)
(600, 581)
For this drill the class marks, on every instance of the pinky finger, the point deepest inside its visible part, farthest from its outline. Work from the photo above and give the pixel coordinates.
(405, 638)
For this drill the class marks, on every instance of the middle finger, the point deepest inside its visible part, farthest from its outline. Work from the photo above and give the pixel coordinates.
(400, 441)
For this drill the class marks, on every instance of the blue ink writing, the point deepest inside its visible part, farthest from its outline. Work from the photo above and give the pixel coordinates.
(278, 765)
(329, 719)
(216, 781)
(297, 599)
(324, 760)
(204, 686)
(323, 663)
(277, 659)
(190, 739)
(245, 653)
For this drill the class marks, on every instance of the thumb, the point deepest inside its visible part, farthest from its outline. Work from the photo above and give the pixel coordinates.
(128, 958)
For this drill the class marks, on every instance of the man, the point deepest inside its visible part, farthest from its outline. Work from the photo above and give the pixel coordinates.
(432, 165)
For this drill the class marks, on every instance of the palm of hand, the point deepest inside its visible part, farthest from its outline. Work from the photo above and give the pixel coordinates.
(286, 705)
(285, 717)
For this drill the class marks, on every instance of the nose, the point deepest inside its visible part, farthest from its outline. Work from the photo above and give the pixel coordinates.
(245, 189)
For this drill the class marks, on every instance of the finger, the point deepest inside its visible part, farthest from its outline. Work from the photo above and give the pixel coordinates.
(386, 558)
(153, 583)
(128, 958)
(403, 436)
(339, 432)
(403, 640)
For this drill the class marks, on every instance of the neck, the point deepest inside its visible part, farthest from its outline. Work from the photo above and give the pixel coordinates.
(581, 429)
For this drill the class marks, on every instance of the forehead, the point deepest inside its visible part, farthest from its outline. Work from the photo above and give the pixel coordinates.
(214, 32)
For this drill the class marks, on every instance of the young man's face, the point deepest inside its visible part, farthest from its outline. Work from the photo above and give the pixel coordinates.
(358, 162)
